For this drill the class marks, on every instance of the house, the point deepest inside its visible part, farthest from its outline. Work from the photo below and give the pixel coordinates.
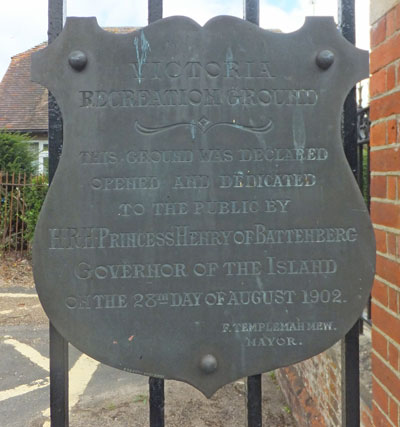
(23, 104)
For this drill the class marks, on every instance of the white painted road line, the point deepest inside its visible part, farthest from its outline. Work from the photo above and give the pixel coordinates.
(29, 307)
(23, 389)
(29, 352)
(10, 295)
(79, 376)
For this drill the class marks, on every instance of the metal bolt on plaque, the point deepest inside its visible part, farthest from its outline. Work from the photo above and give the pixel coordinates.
(325, 59)
(208, 364)
(77, 60)
(203, 224)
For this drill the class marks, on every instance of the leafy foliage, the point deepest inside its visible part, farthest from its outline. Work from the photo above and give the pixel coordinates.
(21, 192)
(20, 204)
(34, 196)
(16, 154)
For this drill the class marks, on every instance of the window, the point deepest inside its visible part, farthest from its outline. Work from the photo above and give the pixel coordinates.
(41, 149)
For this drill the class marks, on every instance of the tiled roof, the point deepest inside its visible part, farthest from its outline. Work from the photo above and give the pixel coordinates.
(23, 104)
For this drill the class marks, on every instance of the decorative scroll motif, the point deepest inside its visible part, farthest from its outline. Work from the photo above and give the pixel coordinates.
(204, 124)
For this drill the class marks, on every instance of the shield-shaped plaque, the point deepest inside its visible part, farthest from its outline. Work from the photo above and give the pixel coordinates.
(203, 224)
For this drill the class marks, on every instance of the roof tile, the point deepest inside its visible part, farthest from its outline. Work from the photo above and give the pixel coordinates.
(23, 103)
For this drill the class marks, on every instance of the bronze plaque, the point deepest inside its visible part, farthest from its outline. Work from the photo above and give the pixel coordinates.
(203, 224)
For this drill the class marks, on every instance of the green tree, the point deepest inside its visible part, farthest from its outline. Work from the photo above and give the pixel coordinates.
(16, 154)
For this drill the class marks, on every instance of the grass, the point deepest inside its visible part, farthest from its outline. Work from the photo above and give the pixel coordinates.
(141, 398)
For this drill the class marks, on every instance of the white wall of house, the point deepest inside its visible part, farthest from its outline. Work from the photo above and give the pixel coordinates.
(41, 149)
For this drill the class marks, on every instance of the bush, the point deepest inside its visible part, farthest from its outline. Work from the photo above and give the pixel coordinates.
(34, 196)
(16, 154)
(20, 204)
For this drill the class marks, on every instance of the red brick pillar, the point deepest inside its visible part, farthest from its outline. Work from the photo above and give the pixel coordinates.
(385, 209)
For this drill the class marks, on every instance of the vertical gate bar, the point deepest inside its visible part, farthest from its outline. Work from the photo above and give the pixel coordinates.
(350, 344)
(368, 183)
(156, 402)
(346, 17)
(254, 401)
(58, 379)
(254, 387)
(156, 385)
(56, 18)
(11, 211)
(360, 149)
(155, 10)
(17, 215)
(351, 378)
(2, 217)
(2, 214)
(5, 214)
(369, 315)
(58, 345)
(252, 11)
(23, 227)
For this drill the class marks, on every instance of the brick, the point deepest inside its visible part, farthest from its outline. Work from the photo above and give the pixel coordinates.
(391, 131)
(390, 22)
(393, 411)
(380, 292)
(388, 269)
(378, 32)
(302, 403)
(365, 419)
(379, 343)
(385, 214)
(392, 187)
(398, 187)
(391, 243)
(398, 245)
(385, 106)
(379, 419)
(386, 53)
(380, 396)
(393, 356)
(378, 83)
(397, 73)
(387, 323)
(386, 160)
(391, 77)
(378, 186)
(398, 17)
(393, 297)
(380, 237)
(386, 376)
(378, 134)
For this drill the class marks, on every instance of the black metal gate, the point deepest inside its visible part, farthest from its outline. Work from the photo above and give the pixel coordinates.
(59, 346)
